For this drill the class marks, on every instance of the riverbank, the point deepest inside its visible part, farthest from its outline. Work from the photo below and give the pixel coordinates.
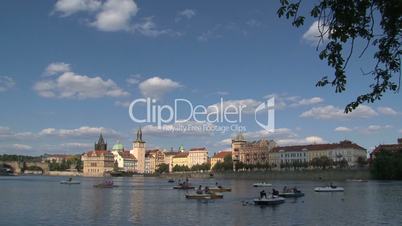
(330, 175)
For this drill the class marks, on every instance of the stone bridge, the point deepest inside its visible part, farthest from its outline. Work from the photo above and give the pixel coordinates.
(16, 166)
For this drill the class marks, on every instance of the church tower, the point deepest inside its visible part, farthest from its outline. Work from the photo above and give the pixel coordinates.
(238, 144)
(101, 145)
(139, 152)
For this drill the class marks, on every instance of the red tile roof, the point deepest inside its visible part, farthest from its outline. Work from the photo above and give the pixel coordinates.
(198, 149)
(222, 154)
(98, 153)
(181, 155)
(387, 147)
(317, 147)
(127, 154)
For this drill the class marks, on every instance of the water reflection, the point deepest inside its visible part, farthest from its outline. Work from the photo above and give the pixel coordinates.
(152, 201)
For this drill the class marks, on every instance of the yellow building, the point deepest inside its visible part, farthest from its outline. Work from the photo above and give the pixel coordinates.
(97, 163)
(180, 159)
(169, 159)
(197, 156)
(219, 157)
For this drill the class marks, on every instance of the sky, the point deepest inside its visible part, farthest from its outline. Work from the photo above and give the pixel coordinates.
(70, 68)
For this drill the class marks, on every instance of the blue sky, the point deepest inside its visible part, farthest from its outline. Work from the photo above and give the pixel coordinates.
(69, 69)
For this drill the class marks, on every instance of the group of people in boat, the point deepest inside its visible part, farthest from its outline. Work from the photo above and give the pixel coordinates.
(263, 194)
(203, 191)
(184, 183)
(290, 190)
(275, 192)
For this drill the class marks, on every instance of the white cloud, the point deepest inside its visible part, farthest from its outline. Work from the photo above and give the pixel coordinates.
(69, 7)
(112, 16)
(187, 13)
(115, 15)
(77, 145)
(313, 34)
(82, 132)
(342, 129)
(331, 112)
(71, 85)
(376, 128)
(6, 83)
(387, 111)
(308, 101)
(157, 87)
(301, 141)
(125, 104)
(147, 27)
(278, 133)
(8, 134)
(21, 147)
(56, 68)
(284, 100)
(248, 105)
(133, 79)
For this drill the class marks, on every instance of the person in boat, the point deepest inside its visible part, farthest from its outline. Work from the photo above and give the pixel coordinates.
(217, 185)
(206, 190)
(331, 185)
(295, 190)
(199, 190)
(275, 192)
(263, 194)
(70, 179)
(285, 189)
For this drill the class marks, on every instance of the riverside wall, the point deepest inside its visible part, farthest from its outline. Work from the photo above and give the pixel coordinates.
(329, 174)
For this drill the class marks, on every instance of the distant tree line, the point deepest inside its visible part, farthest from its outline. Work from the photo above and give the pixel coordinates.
(322, 162)
(19, 158)
(197, 167)
(72, 163)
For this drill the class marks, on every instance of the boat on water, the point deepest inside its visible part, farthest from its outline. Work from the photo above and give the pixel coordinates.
(220, 189)
(106, 184)
(262, 184)
(270, 201)
(291, 194)
(356, 180)
(184, 187)
(69, 182)
(204, 196)
(329, 189)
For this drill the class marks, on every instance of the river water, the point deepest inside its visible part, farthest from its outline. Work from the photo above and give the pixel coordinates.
(41, 200)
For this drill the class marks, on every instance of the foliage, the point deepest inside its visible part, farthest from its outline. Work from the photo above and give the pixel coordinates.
(361, 162)
(341, 23)
(34, 168)
(322, 162)
(18, 158)
(64, 165)
(202, 167)
(387, 165)
(163, 168)
(226, 165)
(179, 168)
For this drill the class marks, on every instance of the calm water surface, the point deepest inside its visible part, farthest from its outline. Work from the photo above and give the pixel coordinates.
(40, 200)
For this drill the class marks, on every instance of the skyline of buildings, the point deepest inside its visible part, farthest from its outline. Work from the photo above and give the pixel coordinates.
(261, 152)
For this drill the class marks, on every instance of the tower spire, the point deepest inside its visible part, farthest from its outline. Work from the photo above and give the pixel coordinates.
(139, 136)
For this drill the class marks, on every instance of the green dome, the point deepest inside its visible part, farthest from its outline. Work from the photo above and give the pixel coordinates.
(118, 146)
